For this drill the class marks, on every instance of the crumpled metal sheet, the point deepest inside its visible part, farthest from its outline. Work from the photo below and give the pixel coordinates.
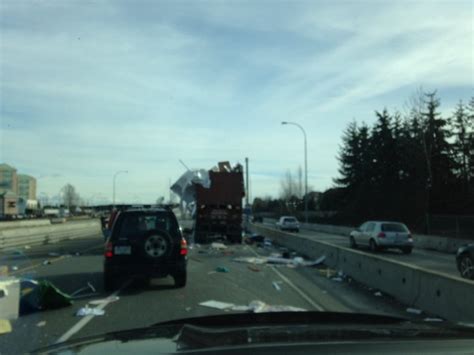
(184, 186)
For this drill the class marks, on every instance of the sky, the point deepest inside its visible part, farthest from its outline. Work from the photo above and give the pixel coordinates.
(89, 88)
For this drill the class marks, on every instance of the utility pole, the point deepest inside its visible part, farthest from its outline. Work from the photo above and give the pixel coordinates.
(247, 193)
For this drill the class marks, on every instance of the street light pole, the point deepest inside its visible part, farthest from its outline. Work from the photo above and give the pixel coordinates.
(115, 177)
(305, 167)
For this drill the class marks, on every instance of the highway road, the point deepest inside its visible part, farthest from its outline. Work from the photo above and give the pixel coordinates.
(74, 263)
(428, 259)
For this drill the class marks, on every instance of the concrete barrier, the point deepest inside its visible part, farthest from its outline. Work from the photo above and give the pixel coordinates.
(12, 238)
(24, 223)
(430, 242)
(447, 296)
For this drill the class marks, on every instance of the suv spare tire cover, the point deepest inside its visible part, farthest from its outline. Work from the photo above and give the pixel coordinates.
(157, 244)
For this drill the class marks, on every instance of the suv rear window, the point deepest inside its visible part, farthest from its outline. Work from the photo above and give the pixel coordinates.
(137, 225)
(290, 220)
(394, 227)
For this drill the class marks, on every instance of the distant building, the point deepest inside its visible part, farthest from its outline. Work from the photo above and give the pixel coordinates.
(26, 187)
(8, 179)
(17, 192)
(8, 204)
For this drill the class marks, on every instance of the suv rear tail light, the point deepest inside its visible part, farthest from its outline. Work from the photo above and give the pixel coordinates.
(109, 250)
(410, 237)
(184, 247)
(381, 235)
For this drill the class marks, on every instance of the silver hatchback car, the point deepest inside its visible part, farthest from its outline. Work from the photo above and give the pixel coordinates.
(379, 235)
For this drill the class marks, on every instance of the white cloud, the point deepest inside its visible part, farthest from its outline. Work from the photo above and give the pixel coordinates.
(89, 90)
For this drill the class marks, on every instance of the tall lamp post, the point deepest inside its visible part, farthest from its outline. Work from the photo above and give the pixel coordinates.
(305, 167)
(115, 177)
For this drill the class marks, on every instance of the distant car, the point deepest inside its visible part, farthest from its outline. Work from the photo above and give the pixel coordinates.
(288, 223)
(465, 261)
(145, 244)
(378, 235)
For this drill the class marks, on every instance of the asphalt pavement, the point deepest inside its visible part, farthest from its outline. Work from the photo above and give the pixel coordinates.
(72, 264)
(428, 259)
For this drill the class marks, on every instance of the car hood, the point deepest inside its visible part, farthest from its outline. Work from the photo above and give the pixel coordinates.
(238, 330)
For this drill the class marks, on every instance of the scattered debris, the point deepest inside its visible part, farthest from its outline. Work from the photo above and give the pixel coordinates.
(88, 311)
(222, 269)
(414, 310)
(212, 272)
(14, 268)
(241, 308)
(188, 309)
(216, 304)
(218, 246)
(109, 299)
(53, 254)
(253, 268)
(254, 306)
(298, 260)
(337, 279)
(251, 260)
(27, 247)
(41, 324)
(46, 262)
(9, 298)
(5, 326)
(276, 285)
(291, 266)
(77, 254)
(254, 238)
(267, 243)
(433, 320)
(259, 307)
(41, 295)
(88, 287)
(378, 294)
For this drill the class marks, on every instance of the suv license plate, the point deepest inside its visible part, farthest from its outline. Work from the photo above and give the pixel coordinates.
(123, 250)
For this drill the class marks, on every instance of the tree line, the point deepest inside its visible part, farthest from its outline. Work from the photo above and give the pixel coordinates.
(405, 167)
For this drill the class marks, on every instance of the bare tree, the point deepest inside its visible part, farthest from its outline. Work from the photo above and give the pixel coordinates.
(70, 196)
(300, 191)
(291, 186)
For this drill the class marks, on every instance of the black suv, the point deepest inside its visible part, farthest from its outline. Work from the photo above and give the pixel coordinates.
(145, 244)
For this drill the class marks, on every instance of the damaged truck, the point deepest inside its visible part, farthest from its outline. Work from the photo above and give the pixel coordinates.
(214, 200)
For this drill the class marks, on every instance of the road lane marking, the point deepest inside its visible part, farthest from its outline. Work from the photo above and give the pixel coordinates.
(52, 261)
(83, 322)
(292, 285)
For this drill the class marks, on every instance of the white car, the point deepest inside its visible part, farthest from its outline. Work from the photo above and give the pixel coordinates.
(288, 223)
(378, 235)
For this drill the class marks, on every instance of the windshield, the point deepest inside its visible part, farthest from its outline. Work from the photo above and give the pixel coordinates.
(393, 227)
(137, 225)
(258, 135)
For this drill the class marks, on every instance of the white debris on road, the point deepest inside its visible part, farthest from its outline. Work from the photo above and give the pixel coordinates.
(414, 311)
(216, 304)
(378, 294)
(88, 311)
(218, 246)
(276, 285)
(254, 306)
